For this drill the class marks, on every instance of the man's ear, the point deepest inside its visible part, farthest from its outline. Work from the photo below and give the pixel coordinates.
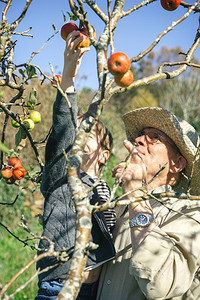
(104, 156)
(178, 164)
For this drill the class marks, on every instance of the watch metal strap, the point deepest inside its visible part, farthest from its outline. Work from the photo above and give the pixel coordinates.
(141, 220)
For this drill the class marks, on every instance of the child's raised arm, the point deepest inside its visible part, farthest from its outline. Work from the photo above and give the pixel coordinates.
(72, 61)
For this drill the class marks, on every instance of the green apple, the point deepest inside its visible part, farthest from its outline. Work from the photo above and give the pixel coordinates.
(15, 123)
(35, 116)
(29, 124)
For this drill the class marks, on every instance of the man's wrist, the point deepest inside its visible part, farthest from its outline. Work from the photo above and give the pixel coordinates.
(141, 220)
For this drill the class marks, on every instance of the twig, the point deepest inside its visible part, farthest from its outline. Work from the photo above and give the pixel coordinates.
(35, 53)
(163, 33)
(59, 88)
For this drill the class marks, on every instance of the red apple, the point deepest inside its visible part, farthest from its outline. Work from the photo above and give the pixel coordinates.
(170, 4)
(66, 29)
(125, 80)
(14, 162)
(19, 173)
(59, 77)
(85, 41)
(118, 63)
(6, 172)
(84, 29)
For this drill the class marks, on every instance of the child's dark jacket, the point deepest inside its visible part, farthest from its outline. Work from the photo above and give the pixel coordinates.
(59, 219)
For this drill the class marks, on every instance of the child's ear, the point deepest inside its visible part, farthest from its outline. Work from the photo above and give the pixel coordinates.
(104, 156)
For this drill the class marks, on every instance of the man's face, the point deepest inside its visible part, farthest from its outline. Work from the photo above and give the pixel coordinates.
(154, 148)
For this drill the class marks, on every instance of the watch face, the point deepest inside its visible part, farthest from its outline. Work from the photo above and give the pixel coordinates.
(142, 220)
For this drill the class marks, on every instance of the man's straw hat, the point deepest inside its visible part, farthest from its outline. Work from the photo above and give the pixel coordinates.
(181, 132)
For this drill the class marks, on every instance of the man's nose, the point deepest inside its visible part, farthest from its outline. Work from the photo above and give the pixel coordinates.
(141, 140)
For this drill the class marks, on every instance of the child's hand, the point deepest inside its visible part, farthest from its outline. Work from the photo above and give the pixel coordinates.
(72, 60)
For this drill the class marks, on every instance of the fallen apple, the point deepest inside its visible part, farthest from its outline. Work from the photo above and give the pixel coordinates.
(125, 80)
(170, 5)
(118, 63)
(66, 29)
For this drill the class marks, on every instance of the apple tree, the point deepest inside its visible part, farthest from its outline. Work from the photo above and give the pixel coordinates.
(115, 76)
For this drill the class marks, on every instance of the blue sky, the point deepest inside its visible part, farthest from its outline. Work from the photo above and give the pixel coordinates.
(133, 35)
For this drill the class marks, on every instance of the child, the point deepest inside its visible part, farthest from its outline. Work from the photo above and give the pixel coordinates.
(59, 218)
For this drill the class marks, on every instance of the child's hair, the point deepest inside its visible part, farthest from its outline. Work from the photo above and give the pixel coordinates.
(103, 133)
(105, 136)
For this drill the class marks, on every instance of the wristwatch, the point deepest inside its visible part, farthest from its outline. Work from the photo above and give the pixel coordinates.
(141, 220)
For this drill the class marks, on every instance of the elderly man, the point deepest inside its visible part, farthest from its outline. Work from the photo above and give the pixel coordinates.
(157, 240)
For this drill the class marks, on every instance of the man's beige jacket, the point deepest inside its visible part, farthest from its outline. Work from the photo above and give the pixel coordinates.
(166, 264)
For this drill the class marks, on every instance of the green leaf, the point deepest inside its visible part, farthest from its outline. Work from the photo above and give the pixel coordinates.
(21, 134)
(31, 72)
(23, 73)
(72, 17)
(1, 94)
(64, 17)
(4, 148)
(75, 6)
(54, 27)
(32, 99)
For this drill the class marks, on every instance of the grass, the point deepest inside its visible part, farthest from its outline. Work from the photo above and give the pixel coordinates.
(13, 254)
(13, 257)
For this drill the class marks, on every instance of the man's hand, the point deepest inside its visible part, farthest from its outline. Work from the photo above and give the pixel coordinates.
(132, 178)
(72, 61)
(132, 172)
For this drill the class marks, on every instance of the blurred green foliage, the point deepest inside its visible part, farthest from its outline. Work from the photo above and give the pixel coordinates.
(13, 254)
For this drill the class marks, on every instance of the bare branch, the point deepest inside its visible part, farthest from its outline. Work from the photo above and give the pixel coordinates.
(59, 88)
(143, 3)
(97, 10)
(20, 18)
(8, 4)
(35, 53)
(162, 34)
(184, 4)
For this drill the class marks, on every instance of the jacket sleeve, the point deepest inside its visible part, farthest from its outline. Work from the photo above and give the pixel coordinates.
(61, 138)
(165, 263)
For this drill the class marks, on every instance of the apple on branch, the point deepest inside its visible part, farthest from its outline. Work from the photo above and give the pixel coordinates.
(59, 77)
(118, 63)
(85, 41)
(14, 162)
(6, 172)
(69, 27)
(19, 173)
(66, 29)
(35, 116)
(29, 124)
(170, 5)
(125, 80)
(94, 35)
